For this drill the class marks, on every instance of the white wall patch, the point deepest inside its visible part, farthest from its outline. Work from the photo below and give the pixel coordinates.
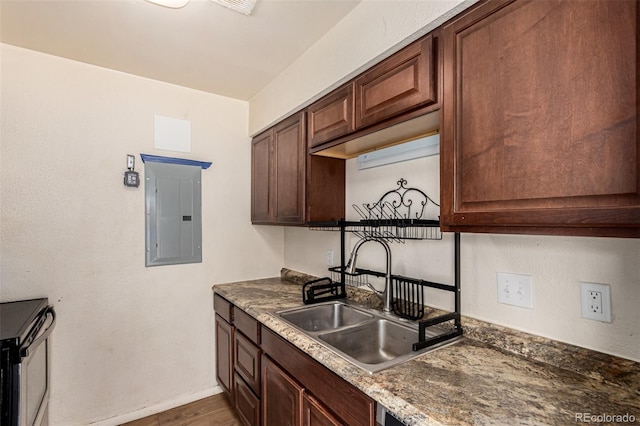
(172, 134)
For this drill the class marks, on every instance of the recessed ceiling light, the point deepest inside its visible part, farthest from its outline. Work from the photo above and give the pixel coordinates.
(174, 4)
(243, 6)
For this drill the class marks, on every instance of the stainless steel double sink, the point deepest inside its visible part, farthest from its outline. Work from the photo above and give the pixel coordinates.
(370, 339)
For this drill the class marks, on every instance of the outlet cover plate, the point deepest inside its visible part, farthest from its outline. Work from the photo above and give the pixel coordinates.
(329, 257)
(515, 289)
(595, 301)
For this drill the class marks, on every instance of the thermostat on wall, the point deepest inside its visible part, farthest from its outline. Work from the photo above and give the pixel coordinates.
(131, 178)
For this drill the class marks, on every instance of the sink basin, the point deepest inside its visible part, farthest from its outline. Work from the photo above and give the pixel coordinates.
(373, 342)
(370, 339)
(325, 317)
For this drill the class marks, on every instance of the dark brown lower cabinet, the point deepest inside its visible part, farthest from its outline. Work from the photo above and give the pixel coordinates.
(315, 414)
(247, 403)
(281, 396)
(224, 355)
(340, 401)
(273, 383)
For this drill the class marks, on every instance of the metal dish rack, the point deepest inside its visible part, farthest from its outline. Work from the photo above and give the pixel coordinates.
(397, 217)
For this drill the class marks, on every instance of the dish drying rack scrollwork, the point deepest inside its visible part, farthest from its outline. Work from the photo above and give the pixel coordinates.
(399, 215)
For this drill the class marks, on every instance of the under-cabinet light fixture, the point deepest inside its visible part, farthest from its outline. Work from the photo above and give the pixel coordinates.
(423, 147)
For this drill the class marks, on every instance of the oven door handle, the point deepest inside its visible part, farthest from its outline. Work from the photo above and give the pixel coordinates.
(32, 343)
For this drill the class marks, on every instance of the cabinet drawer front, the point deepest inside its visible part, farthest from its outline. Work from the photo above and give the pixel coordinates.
(248, 325)
(352, 406)
(331, 116)
(247, 362)
(247, 404)
(223, 307)
(403, 82)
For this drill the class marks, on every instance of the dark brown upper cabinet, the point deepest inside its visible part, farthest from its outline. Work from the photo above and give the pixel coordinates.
(290, 187)
(540, 119)
(278, 173)
(331, 117)
(402, 82)
(398, 92)
(261, 153)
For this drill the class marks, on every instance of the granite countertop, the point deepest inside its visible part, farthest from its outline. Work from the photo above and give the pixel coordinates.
(492, 375)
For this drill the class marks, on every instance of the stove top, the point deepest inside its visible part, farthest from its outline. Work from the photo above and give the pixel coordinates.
(17, 318)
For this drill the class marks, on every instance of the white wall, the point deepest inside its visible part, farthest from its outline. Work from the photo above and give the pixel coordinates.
(128, 338)
(372, 31)
(557, 265)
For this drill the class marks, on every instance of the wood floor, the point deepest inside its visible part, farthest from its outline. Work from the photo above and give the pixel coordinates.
(215, 410)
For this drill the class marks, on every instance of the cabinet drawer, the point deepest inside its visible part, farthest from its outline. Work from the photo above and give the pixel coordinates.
(247, 404)
(223, 307)
(248, 325)
(347, 402)
(247, 362)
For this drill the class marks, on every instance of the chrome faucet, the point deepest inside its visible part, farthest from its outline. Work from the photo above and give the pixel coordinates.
(351, 269)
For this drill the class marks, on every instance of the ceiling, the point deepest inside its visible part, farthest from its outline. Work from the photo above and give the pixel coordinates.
(203, 45)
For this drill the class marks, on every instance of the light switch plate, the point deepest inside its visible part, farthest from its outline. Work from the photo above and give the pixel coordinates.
(515, 289)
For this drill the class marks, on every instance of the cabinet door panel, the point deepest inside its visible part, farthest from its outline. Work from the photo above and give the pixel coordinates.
(261, 149)
(224, 355)
(331, 116)
(281, 396)
(316, 414)
(247, 404)
(538, 135)
(404, 81)
(247, 361)
(289, 170)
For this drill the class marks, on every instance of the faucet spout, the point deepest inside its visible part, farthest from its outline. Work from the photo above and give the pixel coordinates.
(351, 268)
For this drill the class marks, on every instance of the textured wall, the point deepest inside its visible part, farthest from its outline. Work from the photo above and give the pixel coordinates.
(372, 30)
(128, 337)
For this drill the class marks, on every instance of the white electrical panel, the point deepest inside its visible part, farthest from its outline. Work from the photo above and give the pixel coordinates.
(173, 214)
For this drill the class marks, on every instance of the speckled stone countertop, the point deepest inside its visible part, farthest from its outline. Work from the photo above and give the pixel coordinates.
(491, 376)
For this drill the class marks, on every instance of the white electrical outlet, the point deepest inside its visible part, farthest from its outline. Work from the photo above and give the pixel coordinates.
(515, 289)
(595, 301)
(329, 257)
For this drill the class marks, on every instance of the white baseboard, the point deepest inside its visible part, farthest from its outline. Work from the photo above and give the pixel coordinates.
(158, 408)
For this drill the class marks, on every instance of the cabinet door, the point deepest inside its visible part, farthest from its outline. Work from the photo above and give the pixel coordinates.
(261, 149)
(224, 355)
(247, 404)
(331, 116)
(281, 396)
(316, 414)
(288, 170)
(540, 126)
(404, 81)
